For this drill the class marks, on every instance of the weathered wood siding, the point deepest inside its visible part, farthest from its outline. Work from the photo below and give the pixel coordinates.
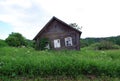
(56, 30)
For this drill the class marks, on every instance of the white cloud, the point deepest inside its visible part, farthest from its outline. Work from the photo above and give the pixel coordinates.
(24, 16)
(98, 17)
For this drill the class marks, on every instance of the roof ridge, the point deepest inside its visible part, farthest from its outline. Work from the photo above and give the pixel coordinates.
(58, 21)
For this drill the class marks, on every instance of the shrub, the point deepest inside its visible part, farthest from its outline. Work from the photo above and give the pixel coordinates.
(105, 45)
(30, 43)
(15, 40)
(42, 44)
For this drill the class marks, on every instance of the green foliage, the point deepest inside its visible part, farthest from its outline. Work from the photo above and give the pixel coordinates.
(28, 62)
(115, 40)
(15, 40)
(88, 41)
(105, 45)
(83, 43)
(74, 25)
(30, 43)
(3, 43)
(61, 78)
(42, 44)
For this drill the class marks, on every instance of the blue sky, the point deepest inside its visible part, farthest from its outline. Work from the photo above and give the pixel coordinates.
(5, 29)
(98, 18)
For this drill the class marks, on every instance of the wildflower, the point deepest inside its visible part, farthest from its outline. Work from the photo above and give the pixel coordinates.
(103, 52)
(28, 51)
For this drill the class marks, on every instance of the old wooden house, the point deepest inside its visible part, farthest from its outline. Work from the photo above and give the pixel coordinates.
(60, 35)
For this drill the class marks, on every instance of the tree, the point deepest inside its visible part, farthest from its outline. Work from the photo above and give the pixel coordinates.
(15, 40)
(74, 25)
(30, 43)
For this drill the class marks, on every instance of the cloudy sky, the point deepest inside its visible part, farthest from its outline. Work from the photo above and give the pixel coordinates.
(98, 18)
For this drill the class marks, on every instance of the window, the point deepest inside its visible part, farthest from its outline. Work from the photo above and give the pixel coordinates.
(68, 41)
(57, 43)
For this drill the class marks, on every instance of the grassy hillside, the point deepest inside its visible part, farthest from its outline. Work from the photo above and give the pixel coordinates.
(28, 62)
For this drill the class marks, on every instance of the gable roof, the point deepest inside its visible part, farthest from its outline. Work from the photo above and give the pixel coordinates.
(50, 21)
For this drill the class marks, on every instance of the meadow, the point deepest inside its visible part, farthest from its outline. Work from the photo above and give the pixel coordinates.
(27, 62)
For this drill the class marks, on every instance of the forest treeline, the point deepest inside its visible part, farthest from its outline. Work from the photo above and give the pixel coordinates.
(89, 41)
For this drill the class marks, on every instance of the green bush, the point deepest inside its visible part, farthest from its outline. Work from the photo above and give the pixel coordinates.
(3, 43)
(15, 40)
(42, 44)
(30, 43)
(104, 45)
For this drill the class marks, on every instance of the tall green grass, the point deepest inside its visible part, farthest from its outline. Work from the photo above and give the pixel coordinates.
(28, 62)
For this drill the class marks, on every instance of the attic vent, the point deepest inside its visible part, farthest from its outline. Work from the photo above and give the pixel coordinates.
(55, 26)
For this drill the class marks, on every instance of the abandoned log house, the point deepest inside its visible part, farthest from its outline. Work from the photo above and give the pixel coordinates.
(60, 35)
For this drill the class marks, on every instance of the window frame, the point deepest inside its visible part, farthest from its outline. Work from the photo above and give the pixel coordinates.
(68, 41)
(57, 43)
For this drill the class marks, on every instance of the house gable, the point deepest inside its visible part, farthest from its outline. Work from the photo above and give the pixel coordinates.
(55, 25)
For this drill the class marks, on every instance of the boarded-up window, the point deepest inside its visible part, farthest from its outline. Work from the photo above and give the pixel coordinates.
(57, 43)
(68, 41)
